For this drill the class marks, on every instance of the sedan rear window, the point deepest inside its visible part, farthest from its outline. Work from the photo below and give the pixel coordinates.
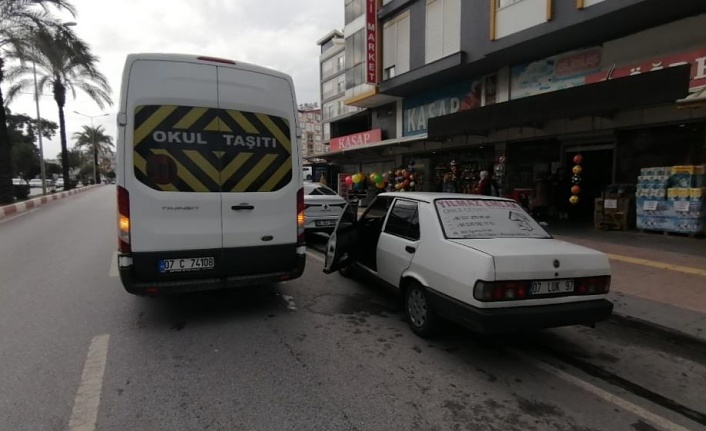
(486, 218)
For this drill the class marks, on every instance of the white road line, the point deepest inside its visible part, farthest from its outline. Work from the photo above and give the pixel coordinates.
(113, 272)
(85, 411)
(315, 256)
(291, 305)
(5, 220)
(605, 395)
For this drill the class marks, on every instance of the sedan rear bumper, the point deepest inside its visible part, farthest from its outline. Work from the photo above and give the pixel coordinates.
(521, 319)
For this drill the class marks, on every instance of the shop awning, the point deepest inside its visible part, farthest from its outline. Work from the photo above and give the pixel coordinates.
(599, 99)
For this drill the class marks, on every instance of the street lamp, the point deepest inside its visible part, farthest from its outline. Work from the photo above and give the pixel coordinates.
(42, 167)
(95, 150)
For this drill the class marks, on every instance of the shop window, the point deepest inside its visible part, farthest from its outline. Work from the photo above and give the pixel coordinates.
(396, 50)
(443, 29)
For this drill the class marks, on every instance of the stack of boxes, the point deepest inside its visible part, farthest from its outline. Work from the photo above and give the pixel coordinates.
(615, 209)
(672, 199)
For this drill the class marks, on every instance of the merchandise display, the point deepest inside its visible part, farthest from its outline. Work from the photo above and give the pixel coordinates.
(672, 199)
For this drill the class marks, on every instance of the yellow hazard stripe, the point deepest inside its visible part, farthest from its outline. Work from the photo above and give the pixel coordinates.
(243, 122)
(140, 163)
(189, 119)
(272, 127)
(203, 164)
(277, 176)
(152, 123)
(254, 173)
(138, 109)
(184, 174)
(168, 187)
(233, 166)
(214, 126)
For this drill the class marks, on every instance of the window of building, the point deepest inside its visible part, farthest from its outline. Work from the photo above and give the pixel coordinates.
(443, 29)
(328, 110)
(341, 61)
(355, 47)
(328, 89)
(341, 84)
(327, 131)
(341, 107)
(396, 50)
(504, 3)
(354, 9)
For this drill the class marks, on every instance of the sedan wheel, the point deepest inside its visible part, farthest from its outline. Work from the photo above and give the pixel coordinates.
(420, 315)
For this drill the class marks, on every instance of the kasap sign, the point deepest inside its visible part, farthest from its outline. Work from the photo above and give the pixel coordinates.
(554, 73)
(355, 140)
(418, 110)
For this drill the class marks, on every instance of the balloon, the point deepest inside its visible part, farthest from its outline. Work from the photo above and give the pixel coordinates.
(380, 185)
(412, 184)
(398, 186)
(349, 180)
(406, 175)
(357, 178)
(372, 177)
(574, 200)
(378, 179)
(576, 179)
(578, 159)
(575, 190)
(403, 190)
(405, 184)
(577, 169)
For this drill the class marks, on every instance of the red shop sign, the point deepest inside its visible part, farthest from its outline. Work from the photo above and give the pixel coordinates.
(697, 60)
(355, 140)
(371, 41)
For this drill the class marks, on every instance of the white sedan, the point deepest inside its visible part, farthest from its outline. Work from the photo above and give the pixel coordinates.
(322, 207)
(480, 261)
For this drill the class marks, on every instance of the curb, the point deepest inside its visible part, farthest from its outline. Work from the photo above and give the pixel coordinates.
(651, 328)
(20, 207)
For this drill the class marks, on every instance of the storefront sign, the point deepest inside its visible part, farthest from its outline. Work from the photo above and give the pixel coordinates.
(371, 44)
(458, 97)
(697, 60)
(355, 140)
(554, 73)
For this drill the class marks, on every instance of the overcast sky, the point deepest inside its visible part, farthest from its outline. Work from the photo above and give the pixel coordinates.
(280, 34)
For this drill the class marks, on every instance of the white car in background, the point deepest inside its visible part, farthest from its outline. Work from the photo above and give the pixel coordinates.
(60, 183)
(480, 261)
(322, 207)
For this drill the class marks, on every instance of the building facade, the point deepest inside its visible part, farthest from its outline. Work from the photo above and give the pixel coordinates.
(526, 84)
(311, 138)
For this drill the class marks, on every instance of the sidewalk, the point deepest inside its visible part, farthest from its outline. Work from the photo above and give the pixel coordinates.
(24, 206)
(657, 279)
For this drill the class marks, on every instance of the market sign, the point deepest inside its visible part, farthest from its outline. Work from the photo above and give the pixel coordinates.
(371, 42)
(356, 140)
(554, 73)
(416, 111)
(697, 60)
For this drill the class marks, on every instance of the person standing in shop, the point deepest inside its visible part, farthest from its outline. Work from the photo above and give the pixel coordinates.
(539, 203)
(447, 185)
(484, 186)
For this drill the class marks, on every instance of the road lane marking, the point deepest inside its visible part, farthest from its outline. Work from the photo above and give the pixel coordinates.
(113, 272)
(291, 305)
(603, 394)
(7, 219)
(660, 265)
(315, 256)
(85, 412)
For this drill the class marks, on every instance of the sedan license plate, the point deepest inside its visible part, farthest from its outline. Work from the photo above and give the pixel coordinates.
(186, 264)
(325, 223)
(551, 287)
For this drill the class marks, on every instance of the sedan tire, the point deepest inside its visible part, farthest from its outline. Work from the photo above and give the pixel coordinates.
(420, 314)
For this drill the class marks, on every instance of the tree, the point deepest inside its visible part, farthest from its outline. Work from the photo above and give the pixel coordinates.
(18, 20)
(96, 142)
(22, 132)
(64, 62)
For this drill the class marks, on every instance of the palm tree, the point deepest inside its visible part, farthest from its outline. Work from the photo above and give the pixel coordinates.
(96, 142)
(64, 62)
(18, 20)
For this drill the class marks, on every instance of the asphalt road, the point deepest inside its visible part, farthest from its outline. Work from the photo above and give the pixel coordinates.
(318, 353)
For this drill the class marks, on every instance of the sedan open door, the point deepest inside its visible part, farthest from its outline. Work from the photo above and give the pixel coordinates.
(343, 239)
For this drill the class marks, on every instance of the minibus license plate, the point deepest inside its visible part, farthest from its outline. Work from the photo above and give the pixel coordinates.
(186, 264)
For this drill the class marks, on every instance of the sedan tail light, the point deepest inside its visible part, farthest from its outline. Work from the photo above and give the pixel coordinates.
(493, 291)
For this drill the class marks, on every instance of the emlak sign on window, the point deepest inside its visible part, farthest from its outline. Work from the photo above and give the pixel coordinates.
(355, 140)
(371, 41)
